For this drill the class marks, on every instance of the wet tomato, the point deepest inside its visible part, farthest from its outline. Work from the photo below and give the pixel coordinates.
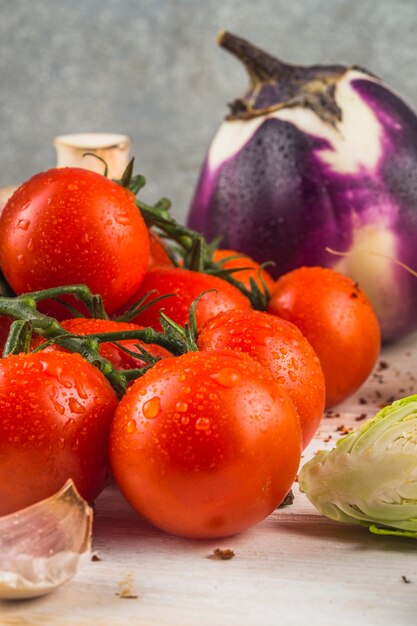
(337, 319)
(186, 287)
(5, 323)
(118, 358)
(281, 348)
(233, 260)
(68, 226)
(55, 413)
(157, 252)
(206, 444)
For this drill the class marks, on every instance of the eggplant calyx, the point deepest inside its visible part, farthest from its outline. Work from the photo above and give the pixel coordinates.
(275, 85)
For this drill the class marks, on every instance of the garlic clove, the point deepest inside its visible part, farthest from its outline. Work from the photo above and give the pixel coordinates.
(42, 545)
(77, 150)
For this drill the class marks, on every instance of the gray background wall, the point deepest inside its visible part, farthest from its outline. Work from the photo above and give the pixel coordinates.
(151, 69)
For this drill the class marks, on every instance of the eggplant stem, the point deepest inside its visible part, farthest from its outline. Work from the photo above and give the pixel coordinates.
(261, 66)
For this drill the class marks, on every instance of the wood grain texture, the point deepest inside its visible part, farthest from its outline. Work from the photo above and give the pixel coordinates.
(294, 568)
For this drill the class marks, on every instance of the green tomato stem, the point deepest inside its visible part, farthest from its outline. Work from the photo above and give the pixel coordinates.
(93, 303)
(23, 308)
(147, 335)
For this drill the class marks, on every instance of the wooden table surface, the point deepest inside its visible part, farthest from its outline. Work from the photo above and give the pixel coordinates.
(294, 568)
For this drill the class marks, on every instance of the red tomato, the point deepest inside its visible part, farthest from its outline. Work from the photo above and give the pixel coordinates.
(157, 251)
(281, 348)
(338, 321)
(205, 444)
(119, 359)
(55, 413)
(244, 276)
(5, 323)
(187, 286)
(68, 226)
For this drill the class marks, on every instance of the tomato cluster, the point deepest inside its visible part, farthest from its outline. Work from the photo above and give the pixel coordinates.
(207, 440)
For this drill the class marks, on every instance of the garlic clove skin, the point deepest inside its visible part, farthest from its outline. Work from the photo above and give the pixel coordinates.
(42, 546)
(78, 150)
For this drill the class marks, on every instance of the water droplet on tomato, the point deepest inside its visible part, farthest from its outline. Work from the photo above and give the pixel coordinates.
(203, 423)
(226, 377)
(283, 351)
(81, 390)
(185, 420)
(72, 187)
(68, 424)
(263, 323)
(58, 407)
(181, 407)
(292, 376)
(151, 408)
(294, 363)
(23, 224)
(131, 426)
(122, 218)
(75, 406)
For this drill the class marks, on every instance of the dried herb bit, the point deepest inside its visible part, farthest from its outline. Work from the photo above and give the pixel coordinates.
(288, 500)
(363, 401)
(95, 558)
(405, 579)
(344, 429)
(221, 555)
(361, 417)
(383, 365)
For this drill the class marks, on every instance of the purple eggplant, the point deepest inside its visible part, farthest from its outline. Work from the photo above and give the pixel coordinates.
(312, 159)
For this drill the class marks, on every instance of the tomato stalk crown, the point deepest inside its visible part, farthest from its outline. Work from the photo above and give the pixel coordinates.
(175, 338)
(195, 251)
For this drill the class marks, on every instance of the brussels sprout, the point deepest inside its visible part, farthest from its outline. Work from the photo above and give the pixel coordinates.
(370, 476)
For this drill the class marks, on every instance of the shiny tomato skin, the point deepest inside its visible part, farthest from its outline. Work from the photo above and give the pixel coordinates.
(279, 346)
(337, 319)
(119, 359)
(205, 444)
(187, 286)
(157, 252)
(55, 413)
(5, 323)
(254, 269)
(69, 225)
